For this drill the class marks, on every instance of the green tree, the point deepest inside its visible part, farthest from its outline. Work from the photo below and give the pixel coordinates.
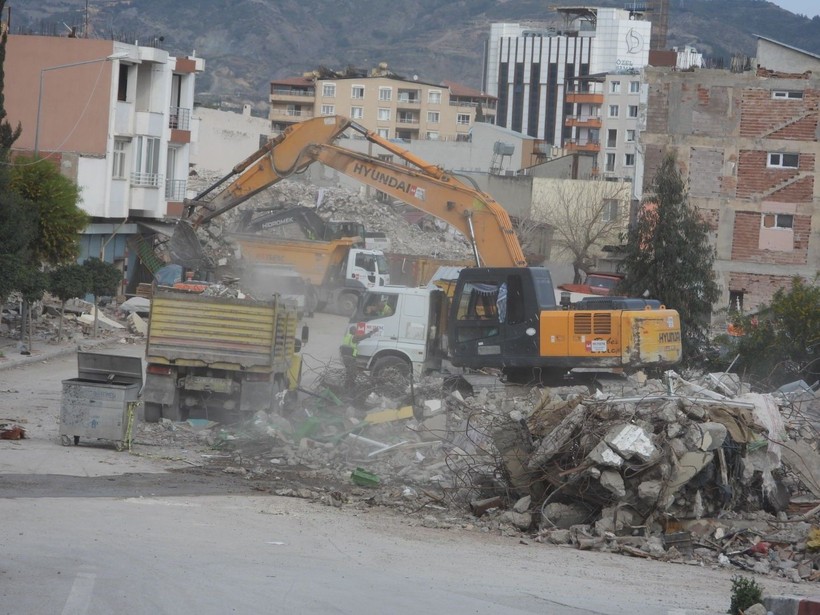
(68, 282)
(668, 256)
(104, 279)
(32, 285)
(781, 342)
(56, 198)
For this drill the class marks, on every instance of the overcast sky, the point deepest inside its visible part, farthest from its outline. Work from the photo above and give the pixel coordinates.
(801, 7)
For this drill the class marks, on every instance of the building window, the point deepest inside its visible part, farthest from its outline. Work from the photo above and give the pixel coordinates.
(120, 151)
(613, 110)
(463, 119)
(434, 97)
(385, 93)
(356, 113)
(146, 162)
(614, 86)
(328, 109)
(629, 160)
(122, 83)
(736, 301)
(611, 137)
(633, 110)
(357, 92)
(610, 163)
(432, 136)
(384, 133)
(784, 161)
(329, 90)
(609, 212)
(630, 136)
(778, 221)
(786, 94)
(432, 117)
(634, 87)
(384, 115)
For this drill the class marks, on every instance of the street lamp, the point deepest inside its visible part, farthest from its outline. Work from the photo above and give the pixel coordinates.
(114, 56)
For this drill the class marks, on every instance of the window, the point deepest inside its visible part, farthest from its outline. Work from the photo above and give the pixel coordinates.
(434, 97)
(785, 94)
(633, 110)
(629, 160)
(432, 136)
(120, 151)
(384, 115)
(784, 161)
(385, 93)
(614, 86)
(478, 301)
(329, 90)
(630, 136)
(634, 87)
(146, 162)
(610, 163)
(328, 109)
(609, 212)
(432, 117)
(378, 305)
(384, 133)
(463, 119)
(122, 83)
(356, 113)
(357, 92)
(613, 110)
(778, 221)
(611, 137)
(736, 301)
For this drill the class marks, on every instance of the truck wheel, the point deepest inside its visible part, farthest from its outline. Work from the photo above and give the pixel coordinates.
(392, 375)
(346, 304)
(153, 411)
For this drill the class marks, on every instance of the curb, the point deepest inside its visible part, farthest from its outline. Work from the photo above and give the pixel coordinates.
(792, 605)
(53, 353)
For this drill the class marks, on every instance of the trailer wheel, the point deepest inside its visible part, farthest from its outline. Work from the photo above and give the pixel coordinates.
(346, 304)
(153, 412)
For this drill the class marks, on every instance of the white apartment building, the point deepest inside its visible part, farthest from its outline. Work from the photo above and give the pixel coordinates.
(116, 119)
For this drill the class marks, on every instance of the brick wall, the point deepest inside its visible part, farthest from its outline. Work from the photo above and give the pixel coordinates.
(757, 289)
(746, 241)
(774, 118)
(754, 178)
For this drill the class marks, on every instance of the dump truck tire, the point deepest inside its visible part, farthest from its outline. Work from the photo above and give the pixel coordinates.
(346, 304)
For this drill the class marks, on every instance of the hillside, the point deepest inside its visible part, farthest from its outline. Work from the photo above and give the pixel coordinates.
(246, 43)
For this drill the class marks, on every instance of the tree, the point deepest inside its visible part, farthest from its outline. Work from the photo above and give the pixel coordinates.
(56, 198)
(668, 256)
(104, 279)
(781, 342)
(32, 285)
(68, 282)
(586, 215)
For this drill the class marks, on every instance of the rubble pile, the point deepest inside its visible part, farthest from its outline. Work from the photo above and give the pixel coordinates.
(340, 204)
(693, 472)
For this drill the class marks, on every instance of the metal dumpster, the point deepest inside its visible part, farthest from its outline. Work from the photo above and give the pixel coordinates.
(100, 404)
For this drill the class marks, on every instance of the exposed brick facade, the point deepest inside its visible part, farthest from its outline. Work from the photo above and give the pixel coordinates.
(757, 288)
(746, 241)
(755, 179)
(773, 118)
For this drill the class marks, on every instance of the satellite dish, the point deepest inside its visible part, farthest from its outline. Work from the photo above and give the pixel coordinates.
(415, 77)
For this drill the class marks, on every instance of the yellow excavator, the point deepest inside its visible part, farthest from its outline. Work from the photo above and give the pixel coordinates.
(500, 313)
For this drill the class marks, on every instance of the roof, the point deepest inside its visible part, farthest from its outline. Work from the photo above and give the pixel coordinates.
(456, 89)
(784, 45)
(302, 81)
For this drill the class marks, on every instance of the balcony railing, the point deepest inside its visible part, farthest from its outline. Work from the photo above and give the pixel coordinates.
(175, 189)
(593, 121)
(407, 120)
(146, 180)
(404, 100)
(292, 112)
(467, 103)
(583, 145)
(289, 92)
(180, 118)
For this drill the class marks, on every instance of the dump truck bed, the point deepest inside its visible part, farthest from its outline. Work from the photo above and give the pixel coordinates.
(222, 332)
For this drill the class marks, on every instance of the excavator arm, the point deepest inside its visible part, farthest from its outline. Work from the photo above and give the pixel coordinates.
(420, 184)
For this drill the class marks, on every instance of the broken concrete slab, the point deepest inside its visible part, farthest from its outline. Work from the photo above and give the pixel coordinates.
(630, 441)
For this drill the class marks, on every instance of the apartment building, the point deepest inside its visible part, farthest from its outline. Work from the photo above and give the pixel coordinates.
(116, 119)
(748, 143)
(389, 105)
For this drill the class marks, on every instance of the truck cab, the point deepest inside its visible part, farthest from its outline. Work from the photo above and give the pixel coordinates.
(398, 327)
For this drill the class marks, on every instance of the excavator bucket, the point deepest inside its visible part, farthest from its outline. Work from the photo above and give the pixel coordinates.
(186, 250)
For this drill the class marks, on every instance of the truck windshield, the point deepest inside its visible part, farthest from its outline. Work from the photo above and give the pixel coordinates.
(382, 264)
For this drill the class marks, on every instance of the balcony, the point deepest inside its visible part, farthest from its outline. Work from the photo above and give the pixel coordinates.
(582, 145)
(295, 113)
(179, 119)
(292, 93)
(592, 98)
(583, 121)
(407, 119)
(175, 189)
(146, 180)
